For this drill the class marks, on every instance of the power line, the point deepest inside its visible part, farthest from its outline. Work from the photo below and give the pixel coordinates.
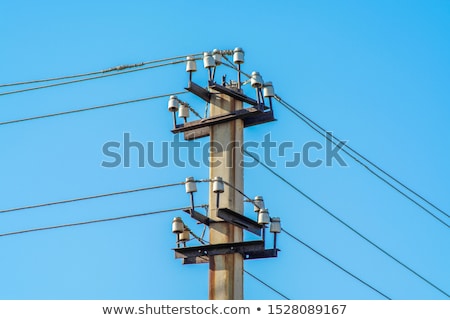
(122, 218)
(335, 264)
(322, 132)
(267, 285)
(348, 272)
(308, 122)
(232, 66)
(259, 280)
(92, 78)
(92, 221)
(92, 108)
(92, 197)
(345, 224)
(112, 69)
(241, 193)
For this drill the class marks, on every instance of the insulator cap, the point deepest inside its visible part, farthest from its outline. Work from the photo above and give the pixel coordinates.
(208, 60)
(217, 55)
(238, 55)
(263, 216)
(177, 225)
(268, 90)
(191, 64)
(275, 225)
(258, 203)
(190, 185)
(173, 104)
(256, 80)
(185, 235)
(218, 185)
(183, 112)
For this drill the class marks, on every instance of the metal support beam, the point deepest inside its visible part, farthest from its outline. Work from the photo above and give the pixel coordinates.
(201, 254)
(202, 128)
(239, 220)
(198, 216)
(199, 91)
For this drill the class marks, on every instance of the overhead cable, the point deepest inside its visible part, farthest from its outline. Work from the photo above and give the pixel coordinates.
(323, 132)
(345, 224)
(92, 197)
(112, 69)
(94, 221)
(91, 108)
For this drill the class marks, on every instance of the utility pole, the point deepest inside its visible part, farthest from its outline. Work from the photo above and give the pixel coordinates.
(225, 125)
(226, 271)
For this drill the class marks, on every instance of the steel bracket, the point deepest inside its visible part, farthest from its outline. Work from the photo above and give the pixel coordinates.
(201, 254)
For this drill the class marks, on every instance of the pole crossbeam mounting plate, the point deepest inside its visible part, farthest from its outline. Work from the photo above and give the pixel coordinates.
(205, 94)
(201, 254)
(201, 128)
(235, 94)
(254, 115)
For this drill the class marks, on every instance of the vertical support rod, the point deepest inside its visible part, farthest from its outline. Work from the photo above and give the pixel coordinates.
(239, 76)
(218, 200)
(174, 120)
(192, 200)
(274, 241)
(226, 158)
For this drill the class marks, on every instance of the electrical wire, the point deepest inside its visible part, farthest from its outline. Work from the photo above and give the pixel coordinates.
(265, 284)
(345, 224)
(334, 263)
(305, 119)
(129, 217)
(196, 237)
(232, 66)
(192, 110)
(91, 78)
(112, 69)
(92, 108)
(322, 132)
(240, 192)
(92, 197)
(93, 221)
(259, 280)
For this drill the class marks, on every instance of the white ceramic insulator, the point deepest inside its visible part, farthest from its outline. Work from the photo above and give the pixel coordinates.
(258, 203)
(256, 80)
(190, 185)
(183, 112)
(177, 225)
(268, 90)
(208, 60)
(218, 185)
(263, 216)
(275, 225)
(217, 57)
(238, 56)
(173, 104)
(185, 235)
(191, 64)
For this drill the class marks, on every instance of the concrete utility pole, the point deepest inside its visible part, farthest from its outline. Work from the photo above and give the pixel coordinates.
(226, 271)
(225, 125)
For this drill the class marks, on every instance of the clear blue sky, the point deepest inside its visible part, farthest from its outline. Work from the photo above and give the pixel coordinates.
(376, 73)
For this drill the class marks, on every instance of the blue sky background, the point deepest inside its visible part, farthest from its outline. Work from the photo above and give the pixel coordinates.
(375, 73)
